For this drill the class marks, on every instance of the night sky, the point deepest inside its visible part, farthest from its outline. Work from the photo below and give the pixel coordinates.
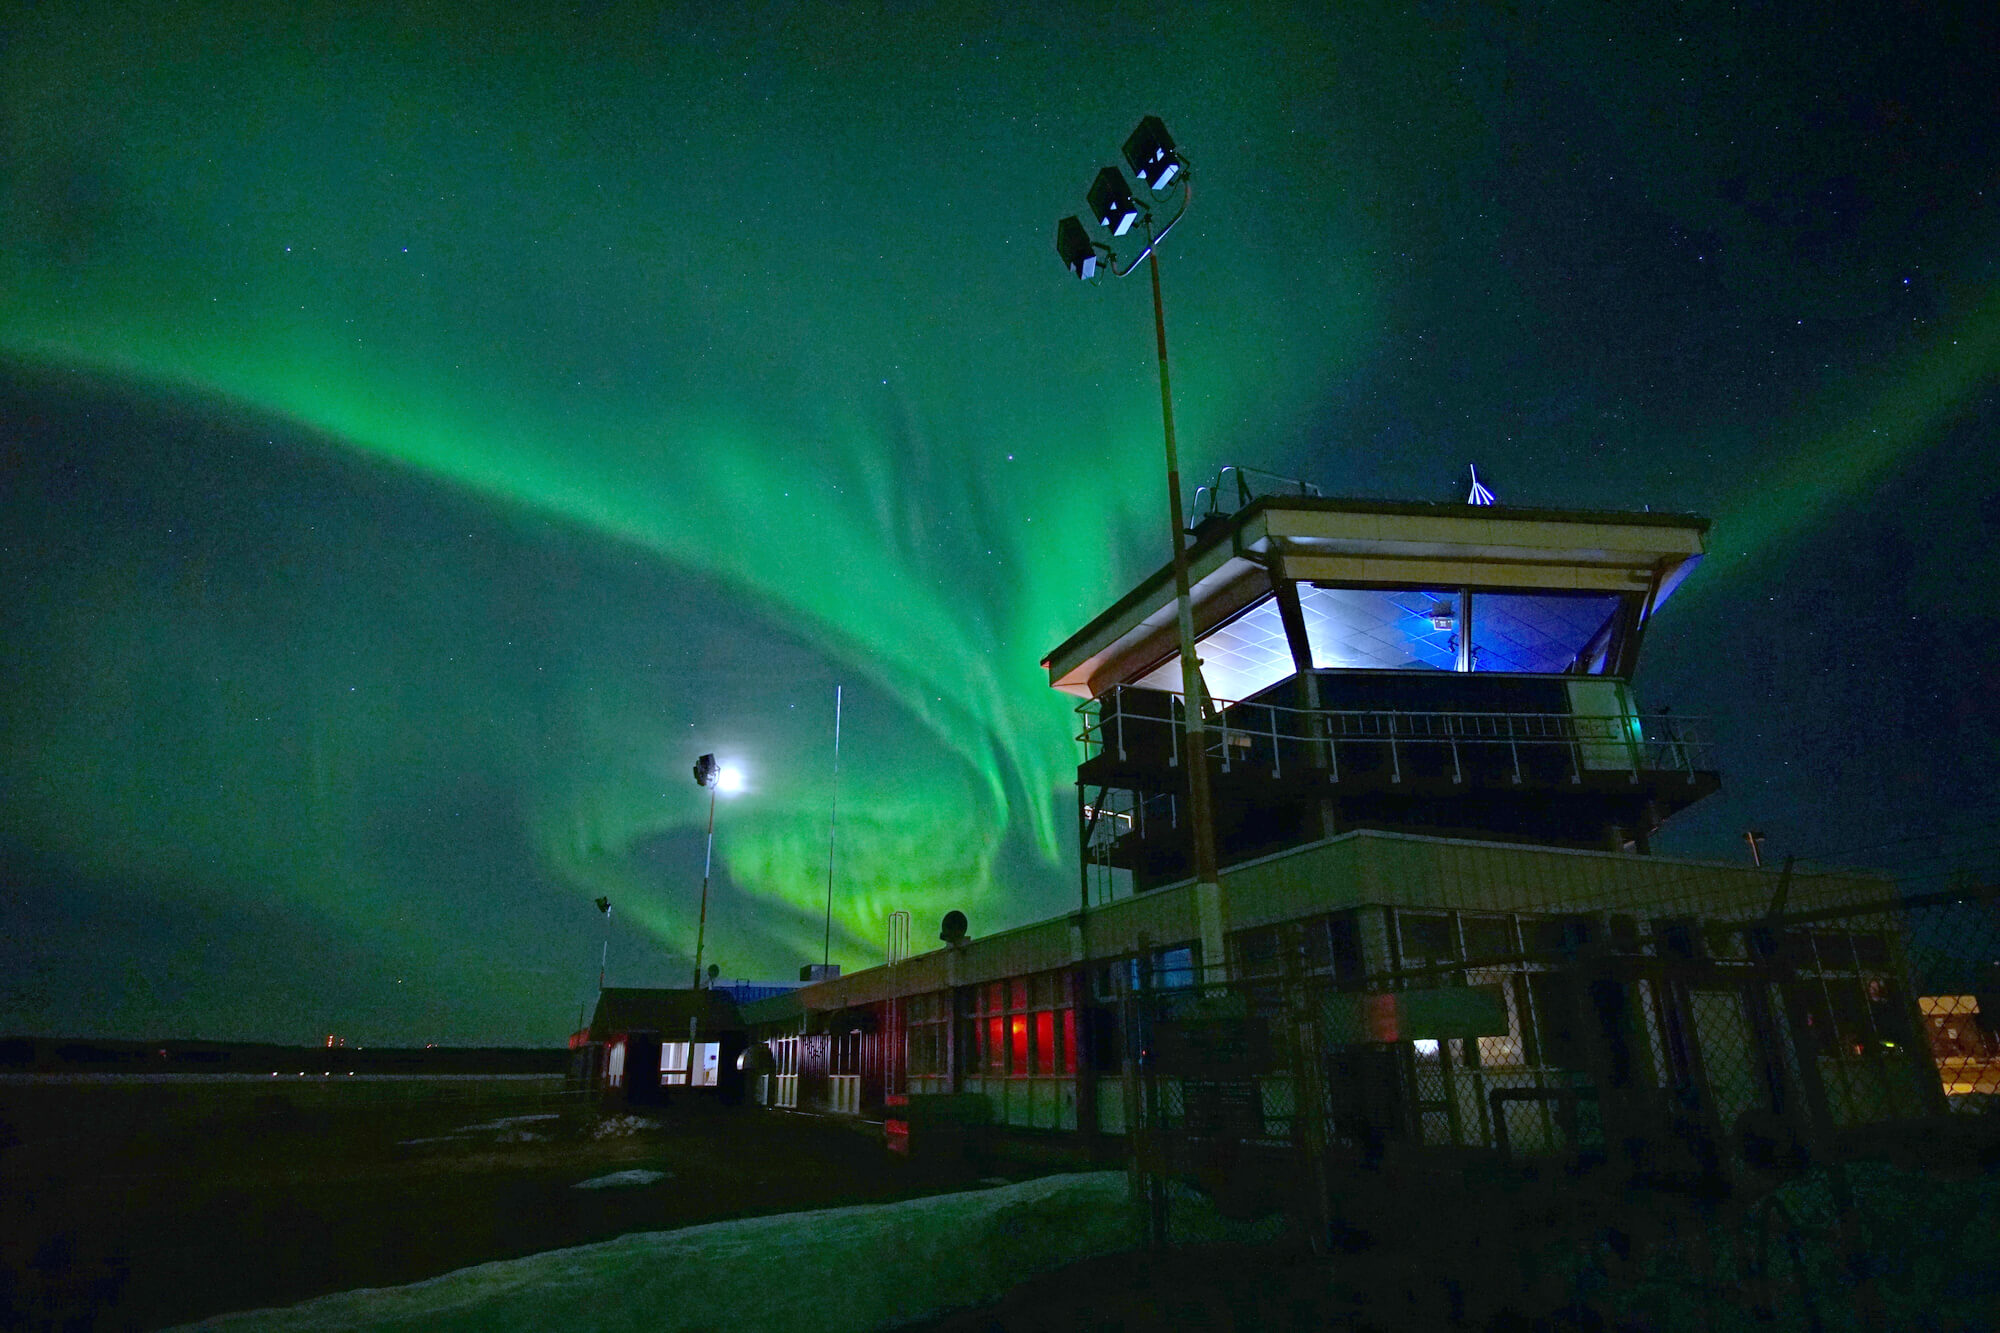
(425, 429)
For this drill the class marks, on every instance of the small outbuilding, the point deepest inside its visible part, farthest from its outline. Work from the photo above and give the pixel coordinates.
(643, 1044)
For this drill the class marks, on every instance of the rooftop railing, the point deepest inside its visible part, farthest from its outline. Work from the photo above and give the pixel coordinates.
(1147, 727)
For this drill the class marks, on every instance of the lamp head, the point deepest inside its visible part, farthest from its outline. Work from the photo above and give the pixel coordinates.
(730, 779)
(1078, 251)
(1111, 201)
(706, 771)
(1152, 156)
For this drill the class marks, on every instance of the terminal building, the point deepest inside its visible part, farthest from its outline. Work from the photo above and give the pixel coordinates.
(1441, 921)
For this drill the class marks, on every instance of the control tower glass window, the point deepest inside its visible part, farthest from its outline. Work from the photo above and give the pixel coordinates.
(1400, 629)
(1538, 632)
(1238, 659)
(1417, 629)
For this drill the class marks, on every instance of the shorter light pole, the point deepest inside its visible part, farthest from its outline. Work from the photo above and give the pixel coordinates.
(709, 773)
(604, 958)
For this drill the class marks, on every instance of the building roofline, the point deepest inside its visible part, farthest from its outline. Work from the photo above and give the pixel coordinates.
(868, 984)
(1221, 540)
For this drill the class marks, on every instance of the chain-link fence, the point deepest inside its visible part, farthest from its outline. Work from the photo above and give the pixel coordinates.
(1771, 1115)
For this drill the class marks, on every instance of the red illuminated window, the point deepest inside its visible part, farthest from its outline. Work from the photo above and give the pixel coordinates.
(1069, 1041)
(1018, 1030)
(1045, 1042)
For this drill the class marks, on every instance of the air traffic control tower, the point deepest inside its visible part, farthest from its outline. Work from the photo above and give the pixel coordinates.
(1452, 670)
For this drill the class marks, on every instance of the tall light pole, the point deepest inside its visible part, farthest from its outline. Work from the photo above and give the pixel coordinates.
(1159, 167)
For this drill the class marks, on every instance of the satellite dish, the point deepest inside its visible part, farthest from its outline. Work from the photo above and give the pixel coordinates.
(714, 971)
(953, 931)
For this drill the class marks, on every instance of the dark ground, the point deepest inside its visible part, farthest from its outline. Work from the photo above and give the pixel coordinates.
(136, 1206)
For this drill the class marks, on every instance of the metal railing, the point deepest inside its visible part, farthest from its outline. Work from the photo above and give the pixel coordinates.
(1332, 739)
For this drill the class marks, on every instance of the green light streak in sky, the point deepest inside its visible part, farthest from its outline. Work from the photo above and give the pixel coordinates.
(1855, 434)
(720, 324)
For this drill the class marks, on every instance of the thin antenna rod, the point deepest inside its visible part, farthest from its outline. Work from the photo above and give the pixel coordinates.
(832, 830)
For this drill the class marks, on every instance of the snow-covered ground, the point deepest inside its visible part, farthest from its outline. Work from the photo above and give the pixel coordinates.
(841, 1268)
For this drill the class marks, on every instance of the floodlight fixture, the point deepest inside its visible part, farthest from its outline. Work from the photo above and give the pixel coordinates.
(1111, 201)
(1151, 154)
(730, 779)
(1078, 251)
(706, 771)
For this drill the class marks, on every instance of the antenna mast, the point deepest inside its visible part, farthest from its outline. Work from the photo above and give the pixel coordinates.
(832, 831)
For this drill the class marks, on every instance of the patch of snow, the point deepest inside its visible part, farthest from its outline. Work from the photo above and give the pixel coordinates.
(508, 1122)
(636, 1176)
(866, 1267)
(623, 1124)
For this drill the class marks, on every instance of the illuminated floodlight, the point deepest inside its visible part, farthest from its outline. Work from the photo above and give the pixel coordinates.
(1152, 155)
(1111, 200)
(713, 773)
(1078, 251)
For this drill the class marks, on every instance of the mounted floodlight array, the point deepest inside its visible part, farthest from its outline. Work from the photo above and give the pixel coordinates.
(1159, 167)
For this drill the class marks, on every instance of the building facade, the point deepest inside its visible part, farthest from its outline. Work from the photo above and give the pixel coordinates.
(1439, 923)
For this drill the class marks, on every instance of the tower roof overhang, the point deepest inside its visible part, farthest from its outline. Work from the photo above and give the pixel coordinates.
(1236, 560)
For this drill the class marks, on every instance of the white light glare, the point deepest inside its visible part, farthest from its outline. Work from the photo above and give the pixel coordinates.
(729, 779)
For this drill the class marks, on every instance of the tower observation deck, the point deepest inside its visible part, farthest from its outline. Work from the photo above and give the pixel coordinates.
(1445, 669)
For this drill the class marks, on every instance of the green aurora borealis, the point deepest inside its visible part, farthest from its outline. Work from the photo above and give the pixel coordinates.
(426, 431)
